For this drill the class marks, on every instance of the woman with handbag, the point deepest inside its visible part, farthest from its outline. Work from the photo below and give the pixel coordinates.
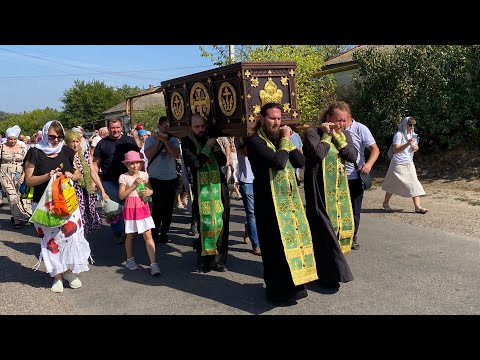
(12, 153)
(328, 206)
(64, 249)
(401, 178)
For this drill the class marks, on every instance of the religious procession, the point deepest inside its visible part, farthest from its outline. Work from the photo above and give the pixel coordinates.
(232, 133)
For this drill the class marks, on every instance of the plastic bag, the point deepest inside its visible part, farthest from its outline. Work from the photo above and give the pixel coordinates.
(113, 211)
(390, 152)
(43, 214)
(63, 194)
(141, 187)
(26, 192)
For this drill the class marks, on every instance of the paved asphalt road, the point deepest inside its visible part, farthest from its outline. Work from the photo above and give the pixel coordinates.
(399, 269)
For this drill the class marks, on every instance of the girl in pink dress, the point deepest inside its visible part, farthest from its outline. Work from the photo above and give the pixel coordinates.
(136, 211)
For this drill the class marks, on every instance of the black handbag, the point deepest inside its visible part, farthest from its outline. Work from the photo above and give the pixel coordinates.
(366, 178)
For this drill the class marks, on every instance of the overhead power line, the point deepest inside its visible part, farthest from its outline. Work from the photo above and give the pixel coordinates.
(117, 73)
(101, 73)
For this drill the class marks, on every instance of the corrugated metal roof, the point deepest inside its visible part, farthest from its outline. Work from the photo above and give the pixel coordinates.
(140, 103)
(347, 56)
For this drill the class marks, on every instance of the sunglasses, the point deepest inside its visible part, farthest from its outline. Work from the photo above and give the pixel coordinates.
(53, 137)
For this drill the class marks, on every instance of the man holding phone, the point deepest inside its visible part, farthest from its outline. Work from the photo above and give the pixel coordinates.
(161, 150)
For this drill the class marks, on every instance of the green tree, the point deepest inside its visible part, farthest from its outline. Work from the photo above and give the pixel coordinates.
(127, 91)
(313, 93)
(439, 85)
(149, 116)
(3, 115)
(86, 101)
(30, 122)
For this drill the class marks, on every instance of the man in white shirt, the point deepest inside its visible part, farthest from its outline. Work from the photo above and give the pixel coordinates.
(99, 135)
(362, 138)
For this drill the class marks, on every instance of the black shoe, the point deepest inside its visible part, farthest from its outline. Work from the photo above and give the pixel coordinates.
(205, 268)
(164, 239)
(328, 284)
(192, 232)
(279, 302)
(220, 268)
(355, 245)
(302, 294)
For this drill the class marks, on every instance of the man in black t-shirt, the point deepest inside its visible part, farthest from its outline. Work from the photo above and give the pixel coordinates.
(108, 156)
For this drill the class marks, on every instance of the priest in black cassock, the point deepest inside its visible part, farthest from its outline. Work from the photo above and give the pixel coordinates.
(327, 195)
(283, 230)
(211, 202)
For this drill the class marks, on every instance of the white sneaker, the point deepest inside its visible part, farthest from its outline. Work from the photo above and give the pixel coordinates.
(155, 269)
(73, 280)
(57, 286)
(131, 264)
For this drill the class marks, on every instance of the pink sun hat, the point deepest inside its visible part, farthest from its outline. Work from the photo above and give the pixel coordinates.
(132, 156)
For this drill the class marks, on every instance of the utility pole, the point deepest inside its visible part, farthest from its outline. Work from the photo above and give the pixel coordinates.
(231, 53)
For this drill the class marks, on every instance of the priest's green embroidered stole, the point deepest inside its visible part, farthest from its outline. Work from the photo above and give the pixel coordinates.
(291, 217)
(337, 193)
(209, 200)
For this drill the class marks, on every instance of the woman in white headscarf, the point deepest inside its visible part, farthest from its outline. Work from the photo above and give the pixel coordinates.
(12, 153)
(401, 178)
(64, 249)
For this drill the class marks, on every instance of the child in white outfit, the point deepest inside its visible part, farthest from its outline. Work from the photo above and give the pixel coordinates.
(136, 211)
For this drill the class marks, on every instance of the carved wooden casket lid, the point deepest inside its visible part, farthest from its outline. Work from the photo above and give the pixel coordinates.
(230, 97)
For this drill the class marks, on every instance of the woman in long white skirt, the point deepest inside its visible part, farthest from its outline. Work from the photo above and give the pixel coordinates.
(401, 178)
(64, 249)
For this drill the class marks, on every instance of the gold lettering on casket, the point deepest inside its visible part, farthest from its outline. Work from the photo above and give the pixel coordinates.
(227, 98)
(177, 106)
(199, 100)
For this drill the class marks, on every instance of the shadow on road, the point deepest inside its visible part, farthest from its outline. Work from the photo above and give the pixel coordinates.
(380, 211)
(12, 271)
(178, 263)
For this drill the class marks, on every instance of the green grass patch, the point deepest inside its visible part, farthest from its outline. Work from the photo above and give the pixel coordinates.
(469, 202)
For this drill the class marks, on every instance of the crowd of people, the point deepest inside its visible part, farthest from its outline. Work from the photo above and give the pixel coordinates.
(148, 173)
